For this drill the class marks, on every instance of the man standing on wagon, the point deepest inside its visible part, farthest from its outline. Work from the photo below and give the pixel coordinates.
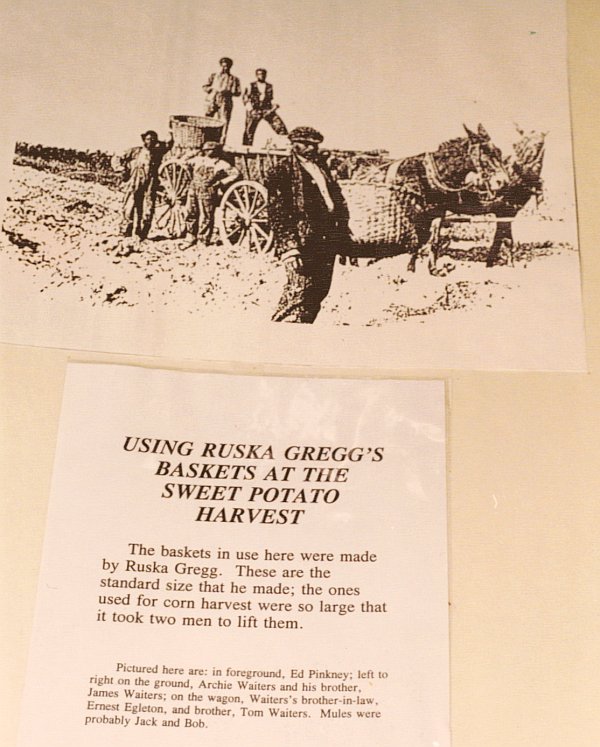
(309, 218)
(221, 88)
(258, 98)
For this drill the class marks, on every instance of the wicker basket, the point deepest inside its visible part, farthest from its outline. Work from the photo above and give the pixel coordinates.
(192, 132)
(376, 214)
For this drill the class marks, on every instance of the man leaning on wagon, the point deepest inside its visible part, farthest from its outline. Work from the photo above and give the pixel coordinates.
(211, 174)
(309, 218)
(221, 88)
(140, 171)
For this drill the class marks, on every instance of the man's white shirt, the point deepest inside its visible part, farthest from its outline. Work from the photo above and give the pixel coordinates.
(316, 174)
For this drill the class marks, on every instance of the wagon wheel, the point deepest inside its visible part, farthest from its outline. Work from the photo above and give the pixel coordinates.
(243, 219)
(171, 210)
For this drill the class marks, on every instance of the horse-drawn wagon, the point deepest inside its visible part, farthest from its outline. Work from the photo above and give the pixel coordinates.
(395, 205)
(242, 218)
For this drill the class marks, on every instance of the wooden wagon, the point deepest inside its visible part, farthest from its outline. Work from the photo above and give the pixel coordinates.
(241, 217)
(380, 209)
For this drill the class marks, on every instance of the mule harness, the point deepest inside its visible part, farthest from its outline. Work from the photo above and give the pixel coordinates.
(434, 178)
(431, 172)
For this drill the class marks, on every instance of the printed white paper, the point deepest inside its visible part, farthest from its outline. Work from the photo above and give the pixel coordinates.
(242, 559)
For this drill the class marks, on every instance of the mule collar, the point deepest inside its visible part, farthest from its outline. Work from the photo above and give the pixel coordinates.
(434, 178)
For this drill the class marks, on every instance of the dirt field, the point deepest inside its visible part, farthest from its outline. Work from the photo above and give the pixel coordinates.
(62, 234)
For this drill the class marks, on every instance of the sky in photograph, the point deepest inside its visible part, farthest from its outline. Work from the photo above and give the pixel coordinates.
(402, 75)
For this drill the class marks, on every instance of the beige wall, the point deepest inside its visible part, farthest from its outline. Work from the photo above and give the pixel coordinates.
(523, 517)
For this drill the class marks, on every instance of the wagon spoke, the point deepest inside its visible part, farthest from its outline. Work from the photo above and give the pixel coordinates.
(162, 213)
(262, 209)
(171, 212)
(251, 238)
(260, 231)
(237, 239)
(236, 210)
(241, 206)
(255, 242)
(242, 195)
(179, 182)
(236, 231)
(241, 237)
(245, 241)
(232, 228)
(253, 205)
(249, 195)
(230, 221)
(175, 176)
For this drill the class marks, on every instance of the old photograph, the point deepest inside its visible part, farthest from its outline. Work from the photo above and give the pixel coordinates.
(352, 184)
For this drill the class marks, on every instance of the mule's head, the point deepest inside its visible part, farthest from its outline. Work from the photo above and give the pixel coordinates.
(488, 173)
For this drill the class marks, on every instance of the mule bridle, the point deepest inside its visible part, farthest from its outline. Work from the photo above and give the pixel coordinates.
(436, 182)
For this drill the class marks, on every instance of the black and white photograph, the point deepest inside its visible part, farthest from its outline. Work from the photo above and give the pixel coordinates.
(351, 182)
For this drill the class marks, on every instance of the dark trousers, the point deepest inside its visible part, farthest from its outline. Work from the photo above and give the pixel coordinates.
(202, 202)
(305, 289)
(254, 116)
(138, 209)
(222, 108)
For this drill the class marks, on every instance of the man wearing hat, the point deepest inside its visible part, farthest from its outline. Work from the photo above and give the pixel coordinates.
(309, 218)
(140, 170)
(211, 174)
(221, 88)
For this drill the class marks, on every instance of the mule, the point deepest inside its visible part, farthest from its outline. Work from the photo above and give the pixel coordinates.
(524, 170)
(438, 181)
(428, 185)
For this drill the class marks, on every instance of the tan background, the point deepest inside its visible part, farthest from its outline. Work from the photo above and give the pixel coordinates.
(523, 503)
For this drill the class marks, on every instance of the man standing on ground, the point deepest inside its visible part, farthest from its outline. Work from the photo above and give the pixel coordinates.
(258, 98)
(309, 218)
(141, 166)
(211, 175)
(221, 88)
